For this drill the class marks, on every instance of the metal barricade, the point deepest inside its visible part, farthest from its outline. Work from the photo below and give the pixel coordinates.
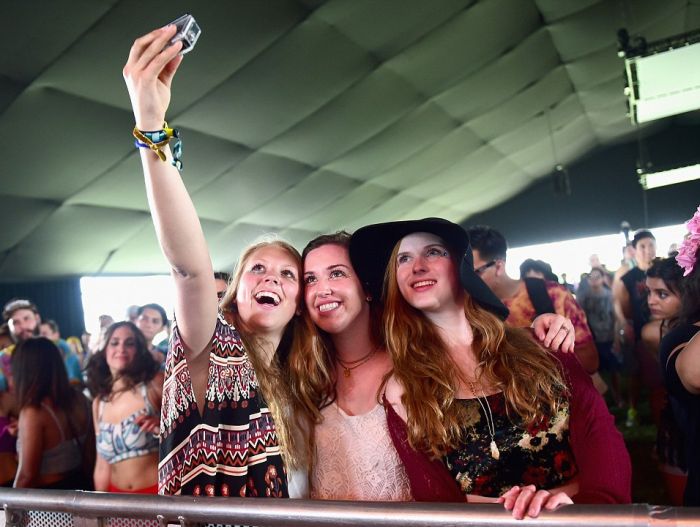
(46, 508)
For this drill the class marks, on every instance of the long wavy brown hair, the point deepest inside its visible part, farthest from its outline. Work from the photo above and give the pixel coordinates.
(507, 359)
(312, 365)
(273, 377)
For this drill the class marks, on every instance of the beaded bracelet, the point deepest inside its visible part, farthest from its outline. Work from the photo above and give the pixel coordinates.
(156, 140)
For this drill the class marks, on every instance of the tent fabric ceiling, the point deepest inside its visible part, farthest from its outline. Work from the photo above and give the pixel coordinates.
(300, 116)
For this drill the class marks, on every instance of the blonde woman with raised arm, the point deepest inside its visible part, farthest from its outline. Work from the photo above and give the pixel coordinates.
(225, 428)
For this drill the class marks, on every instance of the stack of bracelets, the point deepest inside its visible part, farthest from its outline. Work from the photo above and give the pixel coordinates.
(158, 139)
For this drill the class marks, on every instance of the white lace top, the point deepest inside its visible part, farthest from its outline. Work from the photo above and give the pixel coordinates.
(356, 460)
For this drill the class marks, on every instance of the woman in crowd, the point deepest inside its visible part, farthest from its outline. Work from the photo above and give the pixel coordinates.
(224, 369)
(54, 441)
(680, 359)
(663, 283)
(500, 410)
(152, 320)
(126, 385)
(338, 379)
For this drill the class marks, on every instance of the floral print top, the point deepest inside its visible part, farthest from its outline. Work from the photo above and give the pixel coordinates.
(539, 455)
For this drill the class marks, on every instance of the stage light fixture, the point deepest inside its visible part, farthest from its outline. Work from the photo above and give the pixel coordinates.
(662, 78)
(650, 180)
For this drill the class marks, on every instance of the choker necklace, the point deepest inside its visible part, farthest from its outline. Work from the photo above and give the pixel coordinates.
(490, 423)
(348, 366)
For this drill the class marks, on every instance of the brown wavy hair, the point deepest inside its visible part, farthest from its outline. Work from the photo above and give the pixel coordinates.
(142, 369)
(273, 377)
(507, 358)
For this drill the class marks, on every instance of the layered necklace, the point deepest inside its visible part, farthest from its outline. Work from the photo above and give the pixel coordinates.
(490, 423)
(350, 365)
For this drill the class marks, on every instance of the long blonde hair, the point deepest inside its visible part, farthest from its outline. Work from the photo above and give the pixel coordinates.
(507, 358)
(273, 377)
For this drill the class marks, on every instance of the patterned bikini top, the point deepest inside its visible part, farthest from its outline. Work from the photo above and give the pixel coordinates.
(126, 439)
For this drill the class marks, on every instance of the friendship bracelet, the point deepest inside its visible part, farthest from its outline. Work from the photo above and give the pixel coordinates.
(157, 139)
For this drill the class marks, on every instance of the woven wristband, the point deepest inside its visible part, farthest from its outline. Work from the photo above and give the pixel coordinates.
(157, 139)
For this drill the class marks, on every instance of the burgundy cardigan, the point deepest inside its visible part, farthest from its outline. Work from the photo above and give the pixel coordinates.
(604, 468)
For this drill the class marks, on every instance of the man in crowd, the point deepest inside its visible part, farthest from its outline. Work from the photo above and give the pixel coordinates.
(528, 298)
(632, 312)
(24, 321)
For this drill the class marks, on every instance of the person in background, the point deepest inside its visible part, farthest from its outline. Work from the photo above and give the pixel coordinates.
(5, 336)
(222, 280)
(595, 263)
(664, 284)
(54, 441)
(8, 429)
(525, 300)
(76, 345)
(22, 317)
(679, 356)
(127, 386)
(50, 330)
(537, 269)
(24, 322)
(631, 313)
(132, 313)
(597, 301)
(152, 320)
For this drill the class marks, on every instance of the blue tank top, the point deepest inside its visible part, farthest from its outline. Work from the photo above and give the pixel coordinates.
(126, 440)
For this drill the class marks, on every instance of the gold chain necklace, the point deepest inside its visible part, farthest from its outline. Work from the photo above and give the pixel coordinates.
(348, 366)
(490, 423)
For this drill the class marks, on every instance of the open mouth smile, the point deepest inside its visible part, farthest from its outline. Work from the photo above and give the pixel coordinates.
(267, 298)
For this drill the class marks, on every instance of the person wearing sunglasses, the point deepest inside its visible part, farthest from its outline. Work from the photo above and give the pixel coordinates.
(527, 300)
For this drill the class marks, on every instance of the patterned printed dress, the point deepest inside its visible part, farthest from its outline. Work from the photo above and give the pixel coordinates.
(538, 455)
(229, 449)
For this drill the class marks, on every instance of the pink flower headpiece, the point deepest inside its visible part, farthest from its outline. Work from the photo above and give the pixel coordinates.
(691, 243)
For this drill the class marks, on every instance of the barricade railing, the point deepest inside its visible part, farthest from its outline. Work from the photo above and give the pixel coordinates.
(46, 508)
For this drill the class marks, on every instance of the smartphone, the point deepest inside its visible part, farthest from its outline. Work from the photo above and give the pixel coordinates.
(187, 30)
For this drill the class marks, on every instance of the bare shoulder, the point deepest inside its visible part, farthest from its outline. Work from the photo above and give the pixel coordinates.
(650, 332)
(621, 271)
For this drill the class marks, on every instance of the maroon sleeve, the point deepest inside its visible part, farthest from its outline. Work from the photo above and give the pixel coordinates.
(605, 470)
(429, 478)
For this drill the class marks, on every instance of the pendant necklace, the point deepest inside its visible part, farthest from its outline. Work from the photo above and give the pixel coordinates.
(490, 423)
(348, 366)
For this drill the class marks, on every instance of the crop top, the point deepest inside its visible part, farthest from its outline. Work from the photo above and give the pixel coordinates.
(62, 458)
(126, 440)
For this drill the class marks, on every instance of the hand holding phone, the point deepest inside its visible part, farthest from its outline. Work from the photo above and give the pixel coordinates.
(188, 32)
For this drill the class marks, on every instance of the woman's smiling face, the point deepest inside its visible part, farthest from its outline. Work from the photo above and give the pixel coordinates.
(268, 293)
(426, 274)
(333, 293)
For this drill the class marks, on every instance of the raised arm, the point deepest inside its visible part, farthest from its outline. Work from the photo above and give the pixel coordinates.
(148, 74)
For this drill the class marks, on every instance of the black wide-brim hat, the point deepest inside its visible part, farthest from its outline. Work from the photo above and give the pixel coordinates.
(371, 247)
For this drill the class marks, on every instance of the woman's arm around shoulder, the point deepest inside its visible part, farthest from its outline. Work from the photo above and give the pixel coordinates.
(30, 432)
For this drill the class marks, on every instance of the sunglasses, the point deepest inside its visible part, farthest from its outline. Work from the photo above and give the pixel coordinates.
(480, 270)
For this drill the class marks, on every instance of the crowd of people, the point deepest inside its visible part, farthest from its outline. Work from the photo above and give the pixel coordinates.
(397, 363)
